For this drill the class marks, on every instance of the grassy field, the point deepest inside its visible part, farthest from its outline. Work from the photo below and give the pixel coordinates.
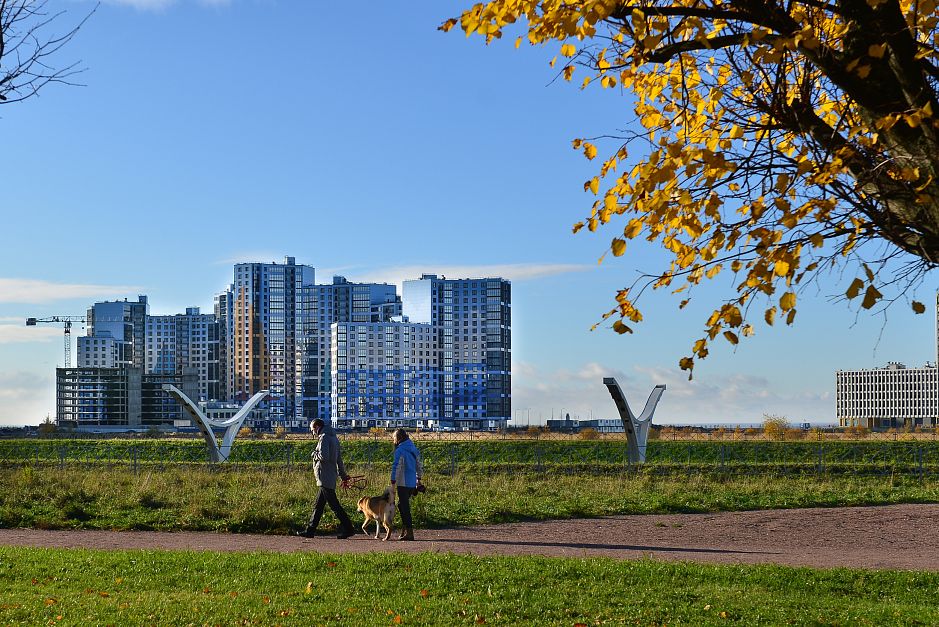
(245, 499)
(494, 455)
(82, 587)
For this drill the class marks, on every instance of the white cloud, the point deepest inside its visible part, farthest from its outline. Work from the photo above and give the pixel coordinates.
(25, 397)
(16, 333)
(35, 291)
(723, 399)
(512, 271)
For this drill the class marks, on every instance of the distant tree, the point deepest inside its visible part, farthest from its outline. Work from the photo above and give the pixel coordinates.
(787, 142)
(48, 426)
(28, 45)
(775, 427)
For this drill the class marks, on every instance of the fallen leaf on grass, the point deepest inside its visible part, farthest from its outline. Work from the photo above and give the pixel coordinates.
(49, 602)
(480, 620)
(266, 599)
(104, 594)
(398, 619)
(424, 593)
(233, 594)
(309, 587)
(284, 612)
(330, 564)
(723, 614)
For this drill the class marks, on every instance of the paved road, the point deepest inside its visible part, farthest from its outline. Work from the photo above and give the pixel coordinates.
(895, 536)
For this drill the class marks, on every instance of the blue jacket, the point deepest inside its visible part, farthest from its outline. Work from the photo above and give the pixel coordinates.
(407, 465)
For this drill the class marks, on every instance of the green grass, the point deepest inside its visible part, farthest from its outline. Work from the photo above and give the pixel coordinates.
(83, 587)
(267, 501)
(443, 456)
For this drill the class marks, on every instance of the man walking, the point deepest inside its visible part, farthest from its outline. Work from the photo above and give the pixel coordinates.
(327, 467)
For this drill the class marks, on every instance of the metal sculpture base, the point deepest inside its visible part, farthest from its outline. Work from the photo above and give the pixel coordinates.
(217, 452)
(637, 429)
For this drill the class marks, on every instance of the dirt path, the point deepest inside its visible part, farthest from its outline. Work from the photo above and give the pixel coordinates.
(895, 536)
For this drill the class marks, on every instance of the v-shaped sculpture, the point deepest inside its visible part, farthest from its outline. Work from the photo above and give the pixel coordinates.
(217, 452)
(637, 429)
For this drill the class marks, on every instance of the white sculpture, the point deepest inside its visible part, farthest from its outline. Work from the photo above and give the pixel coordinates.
(217, 453)
(637, 429)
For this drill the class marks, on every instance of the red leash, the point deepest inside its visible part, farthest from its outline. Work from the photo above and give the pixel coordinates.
(357, 481)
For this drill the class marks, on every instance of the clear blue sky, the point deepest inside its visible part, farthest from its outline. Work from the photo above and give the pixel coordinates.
(372, 145)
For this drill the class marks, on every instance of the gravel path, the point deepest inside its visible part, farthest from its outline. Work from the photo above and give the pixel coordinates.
(894, 536)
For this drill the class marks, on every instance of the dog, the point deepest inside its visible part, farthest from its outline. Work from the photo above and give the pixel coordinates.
(381, 509)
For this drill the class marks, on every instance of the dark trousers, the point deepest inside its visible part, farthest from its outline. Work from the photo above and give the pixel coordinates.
(404, 506)
(327, 496)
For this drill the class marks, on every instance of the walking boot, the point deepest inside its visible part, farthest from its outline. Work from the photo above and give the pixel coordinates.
(408, 534)
(404, 532)
(345, 533)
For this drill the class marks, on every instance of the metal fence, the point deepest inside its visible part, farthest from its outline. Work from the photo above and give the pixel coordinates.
(916, 458)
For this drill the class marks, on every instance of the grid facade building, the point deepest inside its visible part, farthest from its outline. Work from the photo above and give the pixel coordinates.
(118, 399)
(384, 374)
(889, 397)
(186, 341)
(124, 321)
(261, 311)
(472, 322)
(325, 305)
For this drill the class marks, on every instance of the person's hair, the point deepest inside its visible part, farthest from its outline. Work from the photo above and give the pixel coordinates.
(317, 423)
(400, 435)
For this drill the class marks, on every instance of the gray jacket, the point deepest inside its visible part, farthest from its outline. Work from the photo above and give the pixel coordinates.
(327, 459)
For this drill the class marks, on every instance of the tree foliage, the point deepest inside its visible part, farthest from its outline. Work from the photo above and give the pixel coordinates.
(28, 45)
(780, 141)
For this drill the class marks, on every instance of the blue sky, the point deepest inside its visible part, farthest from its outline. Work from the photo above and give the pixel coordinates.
(377, 147)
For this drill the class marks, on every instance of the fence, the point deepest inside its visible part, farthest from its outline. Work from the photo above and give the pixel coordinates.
(917, 458)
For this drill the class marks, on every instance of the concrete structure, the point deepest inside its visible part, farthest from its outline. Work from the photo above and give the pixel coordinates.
(637, 429)
(118, 399)
(890, 397)
(472, 322)
(384, 374)
(218, 452)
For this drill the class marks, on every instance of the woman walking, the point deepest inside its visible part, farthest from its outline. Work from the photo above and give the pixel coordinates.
(406, 472)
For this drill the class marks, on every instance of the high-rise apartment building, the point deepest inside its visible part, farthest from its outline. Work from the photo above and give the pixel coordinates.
(124, 321)
(339, 302)
(261, 310)
(889, 397)
(472, 322)
(384, 374)
(181, 341)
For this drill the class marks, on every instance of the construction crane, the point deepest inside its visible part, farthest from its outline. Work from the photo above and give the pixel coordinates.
(67, 321)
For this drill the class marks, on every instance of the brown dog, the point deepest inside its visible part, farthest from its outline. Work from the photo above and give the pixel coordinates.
(381, 509)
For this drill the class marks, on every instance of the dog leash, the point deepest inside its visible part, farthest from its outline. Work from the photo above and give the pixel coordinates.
(356, 481)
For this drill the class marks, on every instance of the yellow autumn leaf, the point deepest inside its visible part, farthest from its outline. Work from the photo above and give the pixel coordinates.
(770, 315)
(568, 50)
(787, 301)
(918, 307)
(781, 268)
(590, 151)
(618, 247)
(731, 337)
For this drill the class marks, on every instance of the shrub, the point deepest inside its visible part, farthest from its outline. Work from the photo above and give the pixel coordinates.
(47, 427)
(280, 433)
(588, 434)
(245, 432)
(775, 427)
